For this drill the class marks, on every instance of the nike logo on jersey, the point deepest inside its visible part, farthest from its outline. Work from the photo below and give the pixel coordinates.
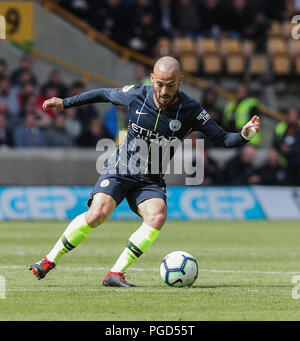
(140, 112)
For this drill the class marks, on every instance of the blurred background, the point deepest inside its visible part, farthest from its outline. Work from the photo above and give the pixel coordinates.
(240, 58)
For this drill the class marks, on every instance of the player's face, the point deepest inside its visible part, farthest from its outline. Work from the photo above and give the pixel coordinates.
(166, 87)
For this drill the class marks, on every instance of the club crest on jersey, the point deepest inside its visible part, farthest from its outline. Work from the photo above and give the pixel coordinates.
(204, 116)
(175, 125)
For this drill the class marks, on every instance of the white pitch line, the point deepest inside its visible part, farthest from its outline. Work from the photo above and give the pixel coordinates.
(125, 290)
(253, 272)
(157, 269)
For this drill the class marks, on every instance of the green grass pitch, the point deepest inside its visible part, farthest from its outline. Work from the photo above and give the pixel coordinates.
(246, 269)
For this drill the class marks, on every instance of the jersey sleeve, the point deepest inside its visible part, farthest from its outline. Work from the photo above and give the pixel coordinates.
(118, 96)
(125, 95)
(201, 121)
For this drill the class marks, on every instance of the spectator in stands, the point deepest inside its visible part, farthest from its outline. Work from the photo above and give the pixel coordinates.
(57, 135)
(110, 18)
(80, 8)
(239, 111)
(166, 13)
(186, 19)
(257, 32)
(275, 9)
(26, 66)
(84, 113)
(43, 120)
(211, 170)
(28, 134)
(25, 77)
(29, 105)
(55, 80)
(73, 125)
(49, 92)
(6, 138)
(293, 161)
(293, 9)
(9, 96)
(4, 110)
(240, 169)
(144, 34)
(26, 90)
(3, 68)
(142, 75)
(236, 19)
(139, 7)
(285, 134)
(77, 87)
(115, 119)
(210, 103)
(90, 137)
(272, 173)
(210, 18)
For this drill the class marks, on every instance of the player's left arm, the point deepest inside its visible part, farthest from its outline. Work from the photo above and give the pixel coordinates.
(251, 128)
(219, 137)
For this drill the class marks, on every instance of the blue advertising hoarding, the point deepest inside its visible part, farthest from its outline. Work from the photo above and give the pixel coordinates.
(184, 203)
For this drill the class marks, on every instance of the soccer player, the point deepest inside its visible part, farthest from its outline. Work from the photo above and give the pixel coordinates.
(156, 111)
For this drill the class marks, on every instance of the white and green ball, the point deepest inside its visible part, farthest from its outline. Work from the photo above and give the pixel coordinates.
(179, 269)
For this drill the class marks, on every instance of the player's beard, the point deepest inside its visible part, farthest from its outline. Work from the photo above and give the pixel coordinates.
(170, 99)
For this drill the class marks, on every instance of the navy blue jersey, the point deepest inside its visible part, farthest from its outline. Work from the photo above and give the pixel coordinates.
(150, 123)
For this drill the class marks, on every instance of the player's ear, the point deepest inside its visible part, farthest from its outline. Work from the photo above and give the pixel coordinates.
(181, 79)
(152, 77)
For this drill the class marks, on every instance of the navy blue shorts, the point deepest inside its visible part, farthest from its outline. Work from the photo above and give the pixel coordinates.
(135, 190)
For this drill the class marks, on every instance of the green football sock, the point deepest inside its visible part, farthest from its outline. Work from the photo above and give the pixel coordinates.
(137, 244)
(74, 234)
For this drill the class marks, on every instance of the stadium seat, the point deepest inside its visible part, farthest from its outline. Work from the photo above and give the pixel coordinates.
(212, 63)
(297, 64)
(248, 47)
(183, 45)
(189, 62)
(235, 64)
(163, 47)
(281, 64)
(231, 46)
(208, 51)
(276, 45)
(295, 47)
(205, 46)
(258, 64)
(287, 28)
(185, 51)
(276, 30)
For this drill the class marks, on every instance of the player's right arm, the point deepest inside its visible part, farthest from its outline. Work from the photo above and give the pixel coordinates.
(53, 103)
(119, 96)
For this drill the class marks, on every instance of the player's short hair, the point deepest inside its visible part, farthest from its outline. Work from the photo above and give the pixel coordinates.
(167, 64)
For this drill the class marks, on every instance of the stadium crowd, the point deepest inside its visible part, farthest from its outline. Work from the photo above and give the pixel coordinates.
(23, 124)
(153, 19)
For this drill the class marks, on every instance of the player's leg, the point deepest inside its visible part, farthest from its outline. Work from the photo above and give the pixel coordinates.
(154, 213)
(100, 209)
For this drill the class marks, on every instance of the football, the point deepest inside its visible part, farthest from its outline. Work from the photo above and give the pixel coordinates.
(179, 269)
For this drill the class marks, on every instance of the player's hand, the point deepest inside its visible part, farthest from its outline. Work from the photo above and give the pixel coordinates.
(251, 128)
(53, 103)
